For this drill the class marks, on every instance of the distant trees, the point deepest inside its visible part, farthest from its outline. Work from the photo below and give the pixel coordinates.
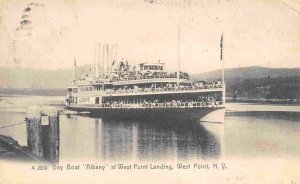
(284, 91)
(283, 88)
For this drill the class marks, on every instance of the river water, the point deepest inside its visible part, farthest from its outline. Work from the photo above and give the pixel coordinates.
(248, 131)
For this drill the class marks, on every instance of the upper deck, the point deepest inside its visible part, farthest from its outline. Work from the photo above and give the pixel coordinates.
(151, 79)
(127, 75)
(94, 91)
(132, 80)
(147, 80)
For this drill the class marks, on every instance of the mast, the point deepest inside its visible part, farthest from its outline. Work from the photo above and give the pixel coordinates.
(178, 64)
(74, 71)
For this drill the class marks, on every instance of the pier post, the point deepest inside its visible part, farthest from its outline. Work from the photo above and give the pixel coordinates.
(34, 130)
(43, 132)
(51, 132)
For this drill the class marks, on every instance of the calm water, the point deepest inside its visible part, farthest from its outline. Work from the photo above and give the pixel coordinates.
(249, 130)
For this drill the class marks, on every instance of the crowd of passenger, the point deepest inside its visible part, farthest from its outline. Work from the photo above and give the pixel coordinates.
(137, 75)
(165, 104)
(124, 72)
(166, 87)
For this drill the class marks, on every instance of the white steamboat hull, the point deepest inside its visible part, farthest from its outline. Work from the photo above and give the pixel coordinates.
(155, 113)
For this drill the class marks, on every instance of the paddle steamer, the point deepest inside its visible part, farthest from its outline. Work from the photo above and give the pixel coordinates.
(149, 91)
(143, 91)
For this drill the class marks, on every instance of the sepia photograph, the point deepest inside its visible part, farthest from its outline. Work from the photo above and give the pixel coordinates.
(150, 91)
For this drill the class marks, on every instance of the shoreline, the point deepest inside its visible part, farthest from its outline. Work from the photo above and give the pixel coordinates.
(262, 101)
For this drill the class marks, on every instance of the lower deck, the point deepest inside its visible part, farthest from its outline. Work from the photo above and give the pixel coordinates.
(193, 104)
(172, 113)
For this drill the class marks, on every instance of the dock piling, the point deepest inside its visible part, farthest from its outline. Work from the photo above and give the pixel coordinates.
(34, 130)
(51, 134)
(43, 132)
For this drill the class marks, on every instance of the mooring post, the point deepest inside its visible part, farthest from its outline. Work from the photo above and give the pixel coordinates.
(50, 129)
(34, 130)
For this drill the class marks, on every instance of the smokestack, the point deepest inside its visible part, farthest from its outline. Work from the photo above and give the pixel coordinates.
(111, 58)
(95, 62)
(103, 59)
(99, 60)
(107, 57)
(115, 53)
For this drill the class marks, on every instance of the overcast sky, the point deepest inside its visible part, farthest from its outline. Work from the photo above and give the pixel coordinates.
(256, 32)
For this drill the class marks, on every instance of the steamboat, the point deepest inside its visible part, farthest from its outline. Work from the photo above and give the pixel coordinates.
(146, 90)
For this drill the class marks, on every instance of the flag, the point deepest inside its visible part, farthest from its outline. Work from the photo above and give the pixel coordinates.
(27, 9)
(74, 62)
(221, 47)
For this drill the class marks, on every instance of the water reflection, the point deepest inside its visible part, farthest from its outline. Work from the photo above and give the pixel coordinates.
(283, 115)
(109, 139)
(251, 131)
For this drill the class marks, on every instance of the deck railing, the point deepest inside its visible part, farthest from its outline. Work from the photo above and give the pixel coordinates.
(133, 78)
(145, 105)
(156, 90)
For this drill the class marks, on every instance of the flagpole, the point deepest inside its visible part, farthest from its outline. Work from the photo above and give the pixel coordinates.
(223, 70)
(178, 66)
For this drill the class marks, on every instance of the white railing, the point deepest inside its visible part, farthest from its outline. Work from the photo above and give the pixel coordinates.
(111, 92)
(165, 105)
(157, 90)
(132, 78)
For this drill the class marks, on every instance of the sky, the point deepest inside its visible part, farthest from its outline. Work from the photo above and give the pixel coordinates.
(256, 33)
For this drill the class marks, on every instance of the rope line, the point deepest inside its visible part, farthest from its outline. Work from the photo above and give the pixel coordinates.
(11, 125)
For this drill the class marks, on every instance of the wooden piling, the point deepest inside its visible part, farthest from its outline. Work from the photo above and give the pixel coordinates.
(51, 134)
(43, 132)
(34, 130)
